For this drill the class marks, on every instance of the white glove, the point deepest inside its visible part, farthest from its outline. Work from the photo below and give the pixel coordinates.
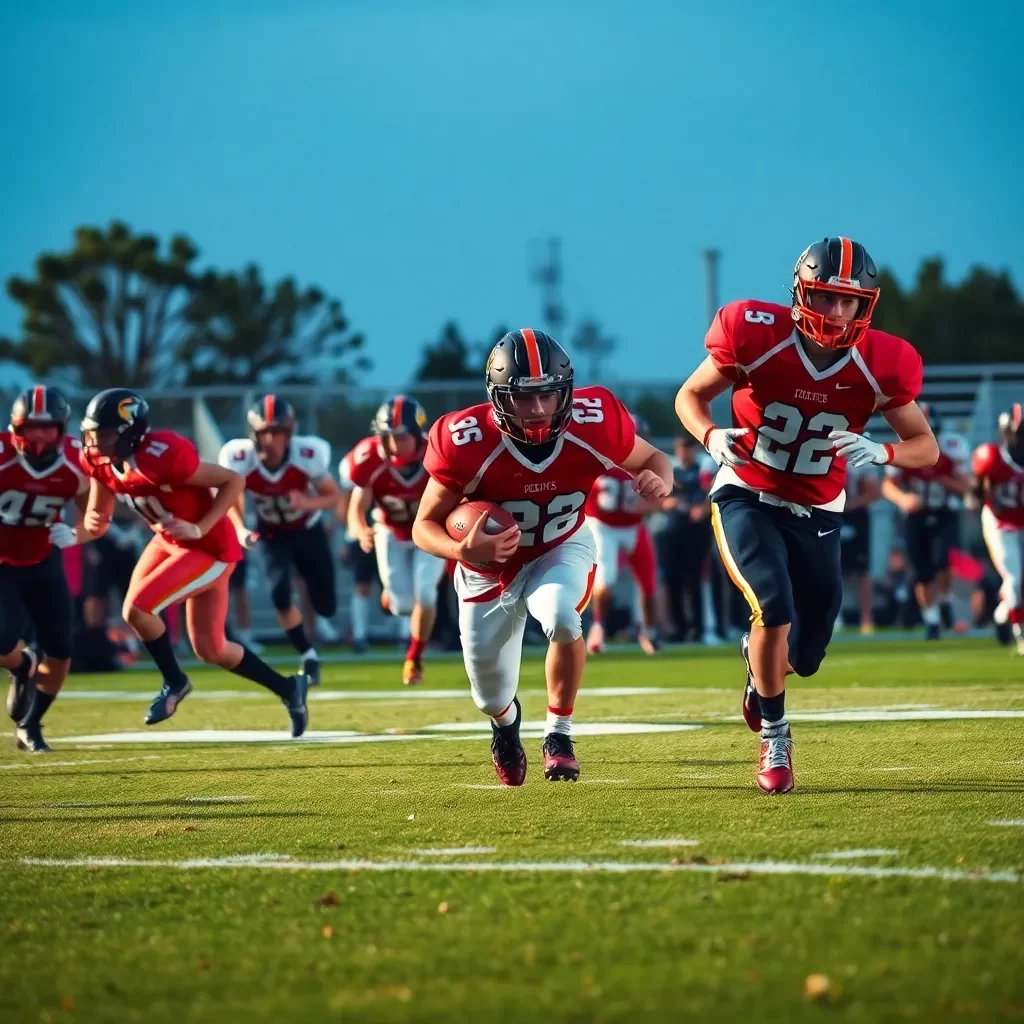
(859, 450)
(62, 535)
(720, 443)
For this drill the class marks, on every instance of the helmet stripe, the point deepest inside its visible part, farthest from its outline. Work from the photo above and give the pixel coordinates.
(268, 408)
(532, 352)
(397, 410)
(38, 401)
(846, 259)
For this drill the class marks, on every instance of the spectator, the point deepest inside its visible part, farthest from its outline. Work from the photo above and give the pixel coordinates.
(862, 488)
(895, 603)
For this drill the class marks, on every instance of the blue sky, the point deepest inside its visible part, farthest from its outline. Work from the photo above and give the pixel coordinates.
(403, 155)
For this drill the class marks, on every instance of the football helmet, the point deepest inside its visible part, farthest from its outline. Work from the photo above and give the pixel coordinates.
(114, 426)
(528, 363)
(1011, 432)
(399, 416)
(841, 266)
(39, 406)
(271, 412)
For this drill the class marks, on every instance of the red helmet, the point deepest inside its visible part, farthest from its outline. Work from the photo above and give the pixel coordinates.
(839, 266)
(39, 406)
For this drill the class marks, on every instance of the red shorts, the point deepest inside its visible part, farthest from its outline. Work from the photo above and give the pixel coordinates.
(641, 560)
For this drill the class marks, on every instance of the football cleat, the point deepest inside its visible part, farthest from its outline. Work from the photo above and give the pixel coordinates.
(507, 752)
(19, 693)
(296, 704)
(595, 639)
(30, 738)
(360, 646)
(751, 706)
(933, 631)
(310, 667)
(559, 758)
(946, 617)
(412, 672)
(775, 774)
(166, 702)
(649, 640)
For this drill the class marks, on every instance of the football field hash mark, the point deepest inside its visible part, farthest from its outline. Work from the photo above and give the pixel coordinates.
(652, 843)
(456, 851)
(1008, 823)
(855, 854)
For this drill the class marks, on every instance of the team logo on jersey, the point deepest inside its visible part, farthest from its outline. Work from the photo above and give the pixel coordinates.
(127, 408)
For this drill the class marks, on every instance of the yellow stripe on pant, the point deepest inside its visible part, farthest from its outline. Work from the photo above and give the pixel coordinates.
(731, 567)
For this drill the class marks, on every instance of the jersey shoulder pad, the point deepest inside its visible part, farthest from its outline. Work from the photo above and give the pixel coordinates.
(238, 455)
(167, 457)
(896, 366)
(363, 461)
(743, 331)
(601, 420)
(311, 454)
(985, 459)
(459, 443)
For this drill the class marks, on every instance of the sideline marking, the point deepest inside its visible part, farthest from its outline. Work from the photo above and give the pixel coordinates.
(36, 763)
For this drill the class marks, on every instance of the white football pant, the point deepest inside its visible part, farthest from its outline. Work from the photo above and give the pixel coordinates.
(611, 542)
(409, 575)
(1004, 548)
(554, 589)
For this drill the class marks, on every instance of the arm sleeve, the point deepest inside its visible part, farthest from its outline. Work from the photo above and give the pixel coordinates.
(225, 456)
(438, 461)
(905, 385)
(361, 465)
(320, 462)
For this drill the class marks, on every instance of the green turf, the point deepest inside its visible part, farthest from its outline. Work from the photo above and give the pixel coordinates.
(705, 939)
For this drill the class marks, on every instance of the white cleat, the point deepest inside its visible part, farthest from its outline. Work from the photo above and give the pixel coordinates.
(595, 639)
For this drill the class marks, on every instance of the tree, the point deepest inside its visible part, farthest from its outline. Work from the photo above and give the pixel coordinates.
(451, 357)
(979, 320)
(592, 342)
(115, 310)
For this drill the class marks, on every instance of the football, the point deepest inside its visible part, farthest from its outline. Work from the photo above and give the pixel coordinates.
(463, 518)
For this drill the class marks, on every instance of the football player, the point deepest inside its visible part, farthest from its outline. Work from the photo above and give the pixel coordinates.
(616, 514)
(193, 550)
(923, 495)
(998, 483)
(39, 474)
(805, 379)
(289, 480)
(536, 449)
(387, 472)
(862, 491)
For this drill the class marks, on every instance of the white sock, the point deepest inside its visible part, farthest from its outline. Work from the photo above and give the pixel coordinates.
(930, 615)
(558, 722)
(360, 611)
(507, 717)
(1017, 631)
(404, 627)
(770, 729)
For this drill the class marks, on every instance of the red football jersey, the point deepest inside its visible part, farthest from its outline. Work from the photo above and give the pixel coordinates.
(307, 461)
(791, 407)
(466, 452)
(612, 500)
(924, 482)
(152, 482)
(1005, 492)
(31, 500)
(396, 497)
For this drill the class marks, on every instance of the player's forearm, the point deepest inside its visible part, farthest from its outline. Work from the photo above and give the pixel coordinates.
(694, 412)
(321, 502)
(658, 463)
(226, 499)
(358, 506)
(956, 484)
(892, 493)
(432, 537)
(916, 452)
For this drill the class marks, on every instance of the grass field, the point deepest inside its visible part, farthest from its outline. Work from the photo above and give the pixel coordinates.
(378, 873)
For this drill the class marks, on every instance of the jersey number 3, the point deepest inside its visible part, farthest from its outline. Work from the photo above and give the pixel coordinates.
(782, 429)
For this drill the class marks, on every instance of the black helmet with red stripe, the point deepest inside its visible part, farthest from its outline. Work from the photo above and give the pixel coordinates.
(398, 417)
(43, 407)
(115, 424)
(836, 266)
(270, 413)
(1011, 432)
(529, 382)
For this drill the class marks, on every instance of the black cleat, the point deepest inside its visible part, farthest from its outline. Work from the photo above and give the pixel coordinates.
(946, 616)
(30, 738)
(507, 752)
(166, 702)
(559, 758)
(933, 632)
(19, 693)
(311, 667)
(751, 706)
(1004, 633)
(360, 646)
(296, 705)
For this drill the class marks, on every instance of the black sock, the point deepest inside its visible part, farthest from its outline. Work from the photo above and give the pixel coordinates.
(40, 703)
(260, 672)
(26, 661)
(773, 709)
(162, 653)
(297, 636)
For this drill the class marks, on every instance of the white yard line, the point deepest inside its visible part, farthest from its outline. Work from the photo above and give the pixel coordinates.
(270, 862)
(37, 762)
(218, 799)
(481, 785)
(654, 843)
(924, 715)
(1008, 823)
(856, 854)
(456, 851)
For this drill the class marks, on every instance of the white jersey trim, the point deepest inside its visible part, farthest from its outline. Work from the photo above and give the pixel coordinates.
(603, 459)
(791, 340)
(829, 370)
(484, 466)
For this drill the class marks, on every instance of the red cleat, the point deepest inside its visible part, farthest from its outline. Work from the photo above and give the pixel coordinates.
(776, 772)
(751, 708)
(507, 752)
(559, 758)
